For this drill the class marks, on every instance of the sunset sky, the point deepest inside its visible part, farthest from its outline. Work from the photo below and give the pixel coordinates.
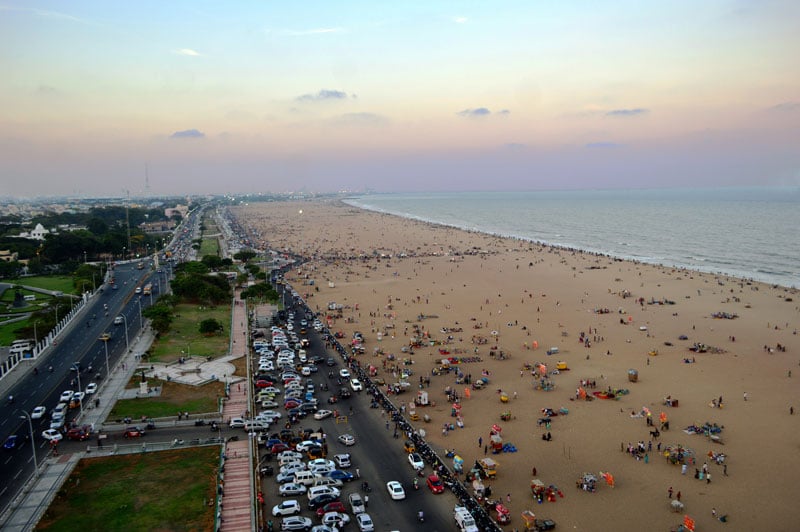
(259, 96)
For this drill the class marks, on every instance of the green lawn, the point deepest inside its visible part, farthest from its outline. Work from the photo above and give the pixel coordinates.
(164, 491)
(49, 282)
(7, 331)
(174, 398)
(209, 246)
(184, 334)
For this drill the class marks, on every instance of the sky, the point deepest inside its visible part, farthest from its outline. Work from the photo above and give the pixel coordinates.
(107, 98)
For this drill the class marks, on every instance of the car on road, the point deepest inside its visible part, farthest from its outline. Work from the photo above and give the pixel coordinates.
(236, 423)
(119, 320)
(345, 392)
(365, 523)
(77, 435)
(322, 414)
(347, 439)
(542, 525)
(396, 491)
(38, 412)
(66, 396)
(335, 519)
(291, 489)
(330, 362)
(435, 484)
(291, 507)
(338, 474)
(91, 388)
(52, 435)
(296, 522)
(133, 432)
(356, 385)
(344, 373)
(11, 442)
(416, 461)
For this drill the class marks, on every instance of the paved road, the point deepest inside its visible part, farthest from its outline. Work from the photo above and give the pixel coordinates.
(80, 343)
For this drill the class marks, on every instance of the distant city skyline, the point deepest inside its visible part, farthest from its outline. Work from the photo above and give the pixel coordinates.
(249, 97)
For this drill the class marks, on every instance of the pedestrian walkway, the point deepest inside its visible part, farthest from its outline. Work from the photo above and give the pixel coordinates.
(34, 499)
(238, 494)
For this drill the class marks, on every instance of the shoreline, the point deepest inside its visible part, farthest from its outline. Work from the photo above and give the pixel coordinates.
(679, 266)
(536, 293)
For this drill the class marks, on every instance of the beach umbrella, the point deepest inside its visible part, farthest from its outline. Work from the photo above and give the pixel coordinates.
(662, 417)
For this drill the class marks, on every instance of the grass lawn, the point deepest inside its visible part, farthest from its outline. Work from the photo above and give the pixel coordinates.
(174, 398)
(184, 334)
(7, 331)
(49, 282)
(209, 246)
(168, 490)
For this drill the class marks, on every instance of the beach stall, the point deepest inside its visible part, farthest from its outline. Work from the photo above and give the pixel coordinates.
(489, 467)
(496, 443)
(458, 464)
(633, 375)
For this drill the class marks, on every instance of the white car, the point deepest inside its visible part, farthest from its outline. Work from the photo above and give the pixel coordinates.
(291, 489)
(91, 388)
(347, 439)
(365, 523)
(52, 435)
(270, 390)
(290, 455)
(322, 414)
(266, 403)
(293, 467)
(291, 507)
(316, 491)
(296, 523)
(66, 395)
(270, 414)
(78, 396)
(335, 519)
(356, 385)
(319, 462)
(304, 446)
(38, 412)
(416, 461)
(236, 423)
(342, 460)
(396, 491)
(344, 373)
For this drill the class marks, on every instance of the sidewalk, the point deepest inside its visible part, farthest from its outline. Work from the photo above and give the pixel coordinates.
(238, 494)
(29, 506)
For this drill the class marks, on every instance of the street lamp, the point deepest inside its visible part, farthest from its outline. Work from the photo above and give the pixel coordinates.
(139, 302)
(84, 257)
(33, 442)
(127, 343)
(105, 340)
(77, 368)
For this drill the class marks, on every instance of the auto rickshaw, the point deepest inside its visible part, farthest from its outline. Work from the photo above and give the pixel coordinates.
(409, 446)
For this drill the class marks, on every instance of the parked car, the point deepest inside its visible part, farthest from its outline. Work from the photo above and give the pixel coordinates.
(356, 503)
(416, 461)
(91, 388)
(322, 414)
(291, 489)
(365, 523)
(78, 435)
(338, 474)
(336, 506)
(52, 435)
(322, 500)
(356, 385)
(435, 484)
(296, 523)
(342, 460)
(335, 519)
(291, 507)
(38, 412)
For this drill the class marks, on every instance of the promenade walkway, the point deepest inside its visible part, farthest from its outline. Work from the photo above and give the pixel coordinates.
(238, 503)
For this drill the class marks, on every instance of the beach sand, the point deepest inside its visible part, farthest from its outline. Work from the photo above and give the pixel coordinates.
(387, 272)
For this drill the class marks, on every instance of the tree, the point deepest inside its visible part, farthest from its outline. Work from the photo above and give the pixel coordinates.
(160, 316)
(210, 327)
(245, 255)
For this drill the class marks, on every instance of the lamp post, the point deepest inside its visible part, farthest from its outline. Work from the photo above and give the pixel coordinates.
(105, 340)
(139, 302)
(33, 442)
(127, 343)
(84, 257)
(78, 372)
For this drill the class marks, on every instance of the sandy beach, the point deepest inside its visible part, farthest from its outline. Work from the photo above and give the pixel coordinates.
(477, 295)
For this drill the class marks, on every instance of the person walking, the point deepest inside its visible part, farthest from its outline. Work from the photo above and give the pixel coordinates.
(708, 478)
(745, 396)
(480, 441)
(678, 496)
(669, 492)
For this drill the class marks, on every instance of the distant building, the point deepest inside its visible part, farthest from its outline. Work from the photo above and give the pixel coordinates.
(183, 210)
(165, 226)
(38, 233)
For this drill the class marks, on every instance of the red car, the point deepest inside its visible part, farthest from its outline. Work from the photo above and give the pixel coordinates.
(133, 432)
(336, 506)
(263, 384)
(77, 435)
(435, 484)
(279, 448)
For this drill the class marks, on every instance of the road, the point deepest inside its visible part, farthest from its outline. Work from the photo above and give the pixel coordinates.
(80, 343)
(377, 454)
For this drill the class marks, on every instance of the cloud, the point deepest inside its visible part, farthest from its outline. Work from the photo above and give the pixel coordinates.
(358, 119)
(187, 51)
(188, 134)
(323, 95)
(504, 112)
(314, 31)
(602, 145)
(627, 112)
(460, 20)
(475, 113)
(44, 13)
(785, 107)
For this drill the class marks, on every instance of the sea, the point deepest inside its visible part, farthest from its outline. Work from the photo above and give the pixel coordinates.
(751, 233)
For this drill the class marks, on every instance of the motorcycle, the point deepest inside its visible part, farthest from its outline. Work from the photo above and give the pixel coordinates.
(420, 517)
(365, 486)
(416, 484)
